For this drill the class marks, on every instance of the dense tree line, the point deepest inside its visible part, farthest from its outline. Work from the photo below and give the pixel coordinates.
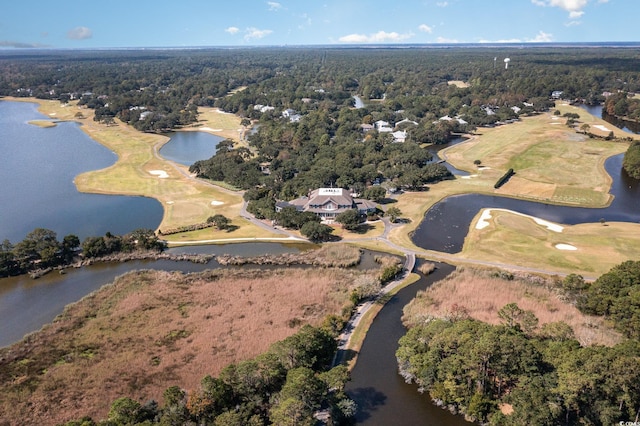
(622, 106)
(631, 161)
(287, 385)
(41, 249)
(616, 295)
(542, 374)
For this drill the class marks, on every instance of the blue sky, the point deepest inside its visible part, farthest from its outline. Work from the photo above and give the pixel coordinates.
(185, 23)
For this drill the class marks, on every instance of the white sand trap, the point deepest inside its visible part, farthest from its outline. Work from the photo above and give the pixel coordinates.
(486, 215)
(484, 168)
(565, 247)
(468, 177)
(170, 202)
(601, 127)
(483, 222)
(216, 203)
(209, 129)
(52, 114)
(160, 173)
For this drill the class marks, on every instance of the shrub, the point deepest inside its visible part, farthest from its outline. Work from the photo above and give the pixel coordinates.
(504, 178)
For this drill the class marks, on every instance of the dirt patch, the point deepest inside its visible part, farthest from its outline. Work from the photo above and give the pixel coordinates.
(153, 329)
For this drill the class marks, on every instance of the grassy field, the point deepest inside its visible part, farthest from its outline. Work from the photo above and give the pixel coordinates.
(482, 295)
(588, 249)
(553, 163)
(140, 171)
(152, 329)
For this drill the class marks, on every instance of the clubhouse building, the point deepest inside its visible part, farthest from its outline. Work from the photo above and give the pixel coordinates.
(328, 203)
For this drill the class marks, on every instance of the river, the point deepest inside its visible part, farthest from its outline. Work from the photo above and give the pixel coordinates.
(27, 304)
(382, 396)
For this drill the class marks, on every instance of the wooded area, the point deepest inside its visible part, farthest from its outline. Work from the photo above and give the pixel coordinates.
(521, 373)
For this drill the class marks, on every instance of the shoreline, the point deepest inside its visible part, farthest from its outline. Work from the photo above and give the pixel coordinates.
(184, 198)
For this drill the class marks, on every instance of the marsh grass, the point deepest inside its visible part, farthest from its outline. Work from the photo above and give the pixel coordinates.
(153, 329)
(482, 294)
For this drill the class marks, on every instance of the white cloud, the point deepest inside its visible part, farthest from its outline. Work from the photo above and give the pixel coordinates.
(274, 6)
(232, 30)
(425, 28)
(79, 33)
(442, 4)
(255, 33)
(574, 7)
(379, 37)
(542, 37)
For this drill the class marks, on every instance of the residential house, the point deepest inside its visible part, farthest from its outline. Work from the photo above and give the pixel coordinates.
(399, 136)
(292, 115)
(383, 126)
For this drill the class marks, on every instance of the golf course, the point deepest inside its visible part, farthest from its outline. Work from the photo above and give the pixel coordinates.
(554, 164)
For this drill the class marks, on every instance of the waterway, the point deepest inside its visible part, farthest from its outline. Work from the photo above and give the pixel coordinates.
(37, 169)
(598, 111)
(382, 396)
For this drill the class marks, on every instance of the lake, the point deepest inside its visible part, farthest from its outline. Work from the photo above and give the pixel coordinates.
(37, 169)
(188, 147)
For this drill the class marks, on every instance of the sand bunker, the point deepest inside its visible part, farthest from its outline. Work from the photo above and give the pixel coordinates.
(565, 247)
(216, 203)
(209, 129)
(160, 173)
(486, 215)
(601, 127)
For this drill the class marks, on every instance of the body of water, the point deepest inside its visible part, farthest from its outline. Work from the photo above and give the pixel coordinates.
(382, 395)
(597, 111)
(188, 147)
(37, 169)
